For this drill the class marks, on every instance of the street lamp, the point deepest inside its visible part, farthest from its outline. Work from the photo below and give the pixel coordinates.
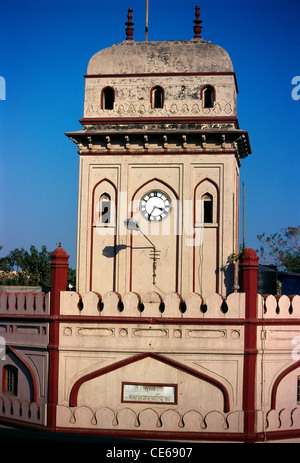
(132, 225)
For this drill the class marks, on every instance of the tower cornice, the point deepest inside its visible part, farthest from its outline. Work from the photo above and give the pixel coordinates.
(207, 137)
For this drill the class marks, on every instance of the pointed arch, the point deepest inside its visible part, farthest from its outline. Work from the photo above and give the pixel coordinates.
(176, 219)
(113, 199)
(29, 371)
(278, 381)
(215, 197)
(157, 97)
(207, 188)
(155, 179)
(107, 98)
(105, 195)
(208, 96)
(160, 358)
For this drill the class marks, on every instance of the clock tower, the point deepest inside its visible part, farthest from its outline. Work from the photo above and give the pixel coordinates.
(160, 151)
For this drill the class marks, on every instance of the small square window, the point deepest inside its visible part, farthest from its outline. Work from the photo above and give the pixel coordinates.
(108, 98)
(207, 208)
(157, 97)
(208, 96)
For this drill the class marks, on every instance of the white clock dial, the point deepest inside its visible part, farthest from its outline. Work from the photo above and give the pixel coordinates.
(155, 205)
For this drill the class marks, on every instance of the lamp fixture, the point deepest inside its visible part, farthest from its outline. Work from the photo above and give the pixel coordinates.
(132, 225)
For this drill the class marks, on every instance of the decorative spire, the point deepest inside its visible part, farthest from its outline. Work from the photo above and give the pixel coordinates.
(129, 24)
(197, 21)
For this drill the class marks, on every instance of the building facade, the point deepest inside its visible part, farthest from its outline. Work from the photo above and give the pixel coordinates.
(157, 342)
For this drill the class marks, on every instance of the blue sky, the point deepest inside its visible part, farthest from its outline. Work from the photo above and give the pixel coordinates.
(45, 47)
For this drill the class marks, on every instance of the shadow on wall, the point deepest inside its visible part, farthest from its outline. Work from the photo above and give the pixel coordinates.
(228, 272)
(112, 251)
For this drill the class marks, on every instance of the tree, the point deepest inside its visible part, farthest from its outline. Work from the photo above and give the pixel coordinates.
(72, 277)
(282, 249)
(33, 268)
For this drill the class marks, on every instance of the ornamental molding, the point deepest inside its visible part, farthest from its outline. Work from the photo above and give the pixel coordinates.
(221, 107)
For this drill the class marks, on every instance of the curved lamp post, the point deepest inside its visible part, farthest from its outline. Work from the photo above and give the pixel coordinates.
(132, 225)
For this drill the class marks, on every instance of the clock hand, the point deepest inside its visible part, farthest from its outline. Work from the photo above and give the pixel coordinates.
(156, 207)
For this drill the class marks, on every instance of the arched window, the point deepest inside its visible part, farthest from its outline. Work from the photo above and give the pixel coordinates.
(207, 208)
(208, 97)
(10, 380)
(105, 208)
(108, 98)
(157, 97)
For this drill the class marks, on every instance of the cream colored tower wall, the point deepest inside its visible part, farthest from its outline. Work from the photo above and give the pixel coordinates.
(182, 95)
(112, 258)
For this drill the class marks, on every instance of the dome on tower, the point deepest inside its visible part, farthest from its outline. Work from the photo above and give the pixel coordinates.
(131, 57)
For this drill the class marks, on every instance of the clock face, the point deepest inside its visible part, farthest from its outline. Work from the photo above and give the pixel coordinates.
(155, 205)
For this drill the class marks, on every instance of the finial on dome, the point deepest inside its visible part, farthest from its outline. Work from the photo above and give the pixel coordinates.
(197, 21)
(129, 24)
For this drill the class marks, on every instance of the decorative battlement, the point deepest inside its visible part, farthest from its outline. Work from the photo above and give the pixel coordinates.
(12, 408)
(112, 304)
(25, 303)
(173, 305)
(279, 306)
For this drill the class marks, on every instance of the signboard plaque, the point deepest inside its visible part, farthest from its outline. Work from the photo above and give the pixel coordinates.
(153, 393)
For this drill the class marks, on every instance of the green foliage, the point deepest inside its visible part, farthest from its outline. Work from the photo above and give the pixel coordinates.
(235, 257)
(72, 277)
(282, 249)
(23, 268)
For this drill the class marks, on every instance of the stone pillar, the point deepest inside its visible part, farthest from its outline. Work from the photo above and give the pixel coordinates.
(248, 280)
(59, 278)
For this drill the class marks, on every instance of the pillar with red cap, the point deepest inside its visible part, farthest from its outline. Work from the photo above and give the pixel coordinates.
(59, 278)
(248, 273)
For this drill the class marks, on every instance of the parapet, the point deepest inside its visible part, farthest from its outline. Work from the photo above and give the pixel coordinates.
(133, 305)
(24, 303)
